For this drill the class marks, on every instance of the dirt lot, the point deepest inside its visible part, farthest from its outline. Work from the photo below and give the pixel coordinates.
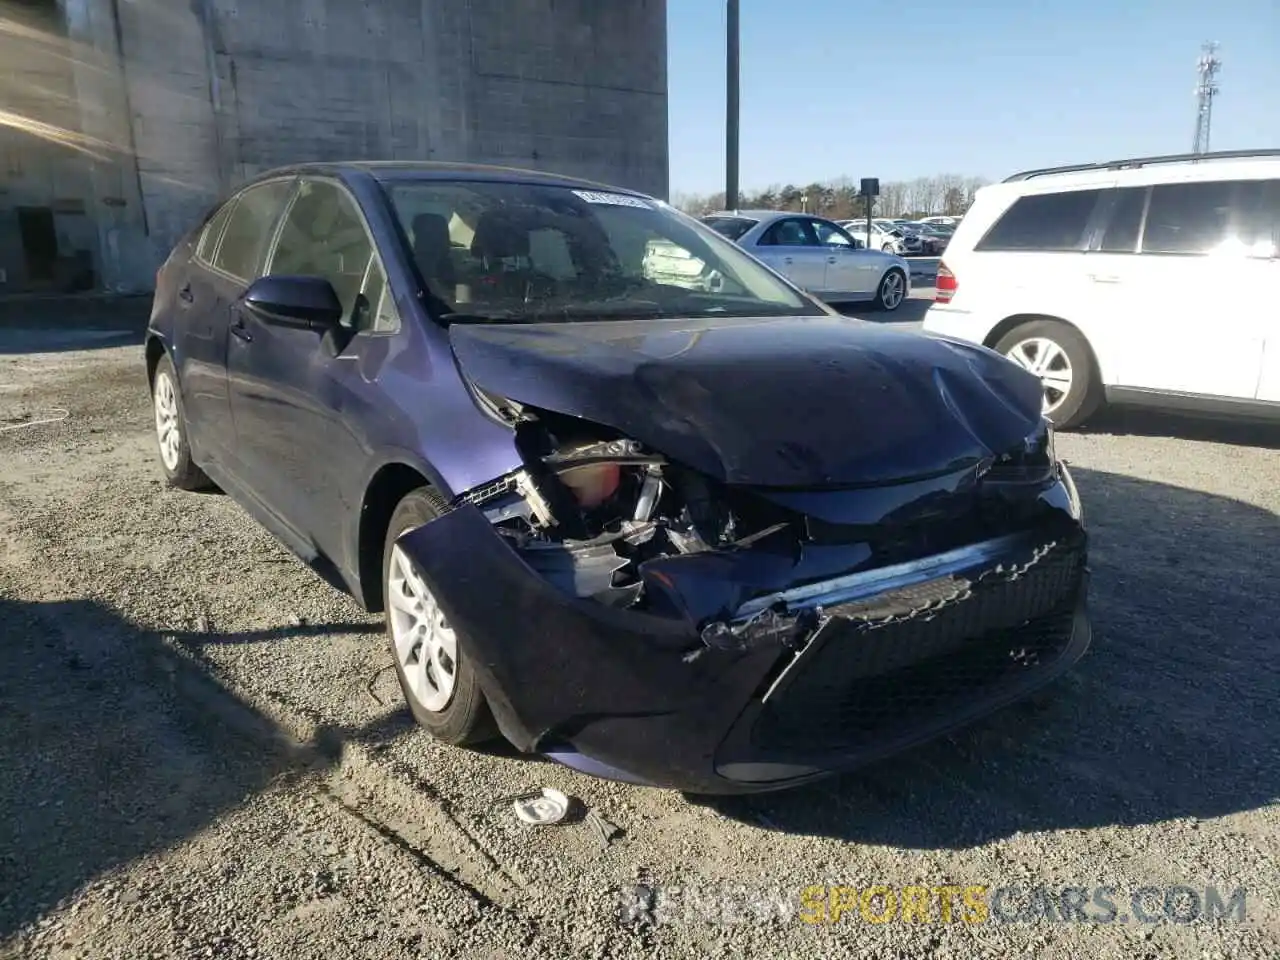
(204, 751)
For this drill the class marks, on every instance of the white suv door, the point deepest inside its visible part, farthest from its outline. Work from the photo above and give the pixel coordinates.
(1176, 282)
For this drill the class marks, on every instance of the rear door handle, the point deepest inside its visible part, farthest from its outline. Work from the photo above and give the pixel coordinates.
(240, 330)
(185, 294)
(831, 259)
(786, 259)
(1104, 278)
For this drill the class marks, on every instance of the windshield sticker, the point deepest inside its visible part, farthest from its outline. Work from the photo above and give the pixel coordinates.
(613, 199)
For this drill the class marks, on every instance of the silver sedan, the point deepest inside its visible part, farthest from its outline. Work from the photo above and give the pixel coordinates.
(817, 255)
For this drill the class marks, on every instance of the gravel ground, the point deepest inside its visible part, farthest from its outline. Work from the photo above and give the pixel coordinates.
(205, 752)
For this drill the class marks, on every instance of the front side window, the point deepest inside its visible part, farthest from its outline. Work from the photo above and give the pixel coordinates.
(829, 235)
(789, 233)
(1225, 217)
(1043, 222)
(249, 229)
(517, 252)
(323, 235)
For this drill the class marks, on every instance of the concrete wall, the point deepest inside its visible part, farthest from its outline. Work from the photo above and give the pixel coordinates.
(200, 95)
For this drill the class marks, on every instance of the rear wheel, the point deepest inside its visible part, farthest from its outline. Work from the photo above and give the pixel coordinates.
(431, 659)
(180, 470)
(1057, 354)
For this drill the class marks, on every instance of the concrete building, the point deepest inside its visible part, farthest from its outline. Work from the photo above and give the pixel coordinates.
(121, 121)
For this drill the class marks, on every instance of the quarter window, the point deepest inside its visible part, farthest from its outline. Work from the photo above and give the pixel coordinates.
(831, 236)
(212, 232)
(1045, 221)
(248, 229)
(323, 235)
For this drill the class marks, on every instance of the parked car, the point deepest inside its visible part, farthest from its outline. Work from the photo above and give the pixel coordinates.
(951, 222)
(885, 238)
(1141, 281)
(926, 242)
(715, 537)
(818, 255)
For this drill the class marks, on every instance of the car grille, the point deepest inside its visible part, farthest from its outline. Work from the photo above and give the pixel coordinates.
(939, 649)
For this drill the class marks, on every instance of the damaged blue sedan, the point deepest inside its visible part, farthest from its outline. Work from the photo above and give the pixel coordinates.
(627, 497)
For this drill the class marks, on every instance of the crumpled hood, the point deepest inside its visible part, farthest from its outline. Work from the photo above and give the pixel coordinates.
(778, 402)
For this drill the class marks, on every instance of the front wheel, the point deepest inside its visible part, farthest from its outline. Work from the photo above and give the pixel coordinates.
(892, 290)
(1057, 354)
(431, 659)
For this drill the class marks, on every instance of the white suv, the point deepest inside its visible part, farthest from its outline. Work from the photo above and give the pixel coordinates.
(1140, 281)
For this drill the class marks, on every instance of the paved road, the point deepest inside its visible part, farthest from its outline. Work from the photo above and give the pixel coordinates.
(205, 753)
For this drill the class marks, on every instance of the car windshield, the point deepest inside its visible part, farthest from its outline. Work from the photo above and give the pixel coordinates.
(528, 253)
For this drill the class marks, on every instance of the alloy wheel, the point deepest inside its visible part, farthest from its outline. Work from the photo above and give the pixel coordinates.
(1048, 361)
(168, 424)
(425, 644)
(891, 290)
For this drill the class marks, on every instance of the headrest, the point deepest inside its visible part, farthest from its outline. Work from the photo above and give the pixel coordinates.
(499, 234)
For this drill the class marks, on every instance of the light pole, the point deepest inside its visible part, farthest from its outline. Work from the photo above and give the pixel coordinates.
(731, 110)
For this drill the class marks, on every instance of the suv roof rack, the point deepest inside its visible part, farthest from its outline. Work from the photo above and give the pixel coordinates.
(1144, 161)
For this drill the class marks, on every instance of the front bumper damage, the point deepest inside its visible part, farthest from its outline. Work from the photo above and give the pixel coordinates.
(804, 676)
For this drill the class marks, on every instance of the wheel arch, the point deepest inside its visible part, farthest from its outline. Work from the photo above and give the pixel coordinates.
(155, 350)
(1012, 322)
(386, 488)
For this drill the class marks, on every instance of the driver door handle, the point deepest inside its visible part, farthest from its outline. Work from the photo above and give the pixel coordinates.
(185, 294)
(786, 259)
(831, 259)
(240, 330)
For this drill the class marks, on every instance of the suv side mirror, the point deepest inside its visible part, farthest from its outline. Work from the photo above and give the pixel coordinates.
(308, 302)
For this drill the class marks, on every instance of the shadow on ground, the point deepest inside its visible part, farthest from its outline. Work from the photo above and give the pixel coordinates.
(117, 746)
(910, 311)
(1170, 715)
(16, 341)
(1136, 421)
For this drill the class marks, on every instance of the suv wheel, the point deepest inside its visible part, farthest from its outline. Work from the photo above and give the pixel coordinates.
(431, 661)
(1057, 354)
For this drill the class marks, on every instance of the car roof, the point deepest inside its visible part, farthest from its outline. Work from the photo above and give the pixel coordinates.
(764, 216)
(405, 170)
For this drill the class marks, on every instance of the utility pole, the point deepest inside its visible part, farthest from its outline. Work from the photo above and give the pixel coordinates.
(1207, 67)
(731, 110)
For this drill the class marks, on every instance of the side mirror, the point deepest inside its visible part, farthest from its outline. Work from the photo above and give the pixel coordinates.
(308, 302)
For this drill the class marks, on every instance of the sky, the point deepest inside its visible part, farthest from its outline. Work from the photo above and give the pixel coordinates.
(984, 88)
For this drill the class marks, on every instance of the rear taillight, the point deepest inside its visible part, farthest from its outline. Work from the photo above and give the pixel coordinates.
(946, 285)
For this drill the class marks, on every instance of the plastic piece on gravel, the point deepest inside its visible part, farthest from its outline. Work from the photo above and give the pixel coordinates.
(542, 809)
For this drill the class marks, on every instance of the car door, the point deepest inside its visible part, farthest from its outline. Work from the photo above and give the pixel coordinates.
(293, 390)
(1266, 248)
(790, 246)
(1175, 279)
(225, 263)
(850, 271)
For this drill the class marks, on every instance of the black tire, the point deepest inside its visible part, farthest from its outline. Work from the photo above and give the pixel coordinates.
(1084, 397)
(884, 289)
(465, 718)
(183, 474)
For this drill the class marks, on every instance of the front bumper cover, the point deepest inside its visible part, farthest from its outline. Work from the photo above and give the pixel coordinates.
(878, 668)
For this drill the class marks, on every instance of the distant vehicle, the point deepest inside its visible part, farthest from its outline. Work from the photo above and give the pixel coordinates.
(932, 241)
(952, 222)
(818, 255)
(885, 236)
(1147, 281)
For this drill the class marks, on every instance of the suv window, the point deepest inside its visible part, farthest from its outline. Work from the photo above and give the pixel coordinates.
(249, 228)
(789, 233)
(1225, 216)
(212, 232)
(1121, 235)
(1044, 221)
(323, 235)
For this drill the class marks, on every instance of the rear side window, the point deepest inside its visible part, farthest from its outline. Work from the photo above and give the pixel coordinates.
(1046, 221)
(1122, 231)
(249, 228)
(790, 233)
(212, 232)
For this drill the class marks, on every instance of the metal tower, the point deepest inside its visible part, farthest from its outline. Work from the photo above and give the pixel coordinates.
(1207, 67)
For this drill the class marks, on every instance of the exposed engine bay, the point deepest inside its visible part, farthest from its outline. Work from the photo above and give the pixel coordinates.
(602, 517)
